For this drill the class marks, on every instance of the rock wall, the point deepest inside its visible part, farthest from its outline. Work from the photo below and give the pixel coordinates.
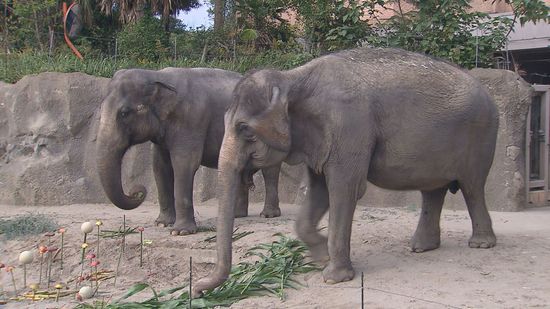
(48, 125)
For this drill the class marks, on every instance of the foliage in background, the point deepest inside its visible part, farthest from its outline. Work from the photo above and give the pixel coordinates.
(445, 29)
(130, 11)
(529, 10)
(349, 27)
(264, 19)
(273, 271)
(31, 23)
(144, 41)
(253, 33)
(28, 224)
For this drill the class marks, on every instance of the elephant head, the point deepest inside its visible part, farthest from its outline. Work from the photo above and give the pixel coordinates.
(132, 113)
(257, 135)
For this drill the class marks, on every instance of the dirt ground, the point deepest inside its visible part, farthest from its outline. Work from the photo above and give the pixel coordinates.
(514, 274)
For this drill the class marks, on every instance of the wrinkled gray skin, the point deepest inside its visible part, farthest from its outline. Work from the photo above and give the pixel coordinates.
(399, 120)
(181, 112)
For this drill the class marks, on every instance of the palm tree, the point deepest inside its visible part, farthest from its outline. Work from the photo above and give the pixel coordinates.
(133, 10)
(167, 8)
(130, 10)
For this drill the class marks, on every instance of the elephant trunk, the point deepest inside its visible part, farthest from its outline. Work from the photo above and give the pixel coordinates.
(109, 162)
(231, 185)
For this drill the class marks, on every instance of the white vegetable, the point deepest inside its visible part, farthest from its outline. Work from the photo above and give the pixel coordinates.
(86, 292)
(87, 227)
(26, 257)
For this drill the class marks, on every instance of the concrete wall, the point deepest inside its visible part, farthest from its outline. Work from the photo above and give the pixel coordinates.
(48, 125)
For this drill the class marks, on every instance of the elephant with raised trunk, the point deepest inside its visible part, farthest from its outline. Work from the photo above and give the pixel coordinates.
(397, 119)
(181, 111)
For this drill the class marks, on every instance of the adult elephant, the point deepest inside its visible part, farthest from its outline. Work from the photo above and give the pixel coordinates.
(397, 119)
(181, 112)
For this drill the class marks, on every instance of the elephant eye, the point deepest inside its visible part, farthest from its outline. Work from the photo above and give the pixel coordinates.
(124, 112)
(244, 130)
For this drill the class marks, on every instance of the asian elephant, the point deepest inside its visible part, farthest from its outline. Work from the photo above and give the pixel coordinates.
(400, 120)
(181, 111)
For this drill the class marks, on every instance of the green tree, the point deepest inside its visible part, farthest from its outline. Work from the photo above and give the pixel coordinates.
(261, 22)
(450, 29)
(132, 10)
(332, 24)
(34, 23)
(144, 40)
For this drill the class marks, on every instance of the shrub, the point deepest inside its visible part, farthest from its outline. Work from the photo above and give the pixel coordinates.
(144, 40)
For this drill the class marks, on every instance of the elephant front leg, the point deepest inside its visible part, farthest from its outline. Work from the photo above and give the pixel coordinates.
(343, 195)
(185, 167)
(313, 210)
(164, 178)
(427, 235)
(271, 180)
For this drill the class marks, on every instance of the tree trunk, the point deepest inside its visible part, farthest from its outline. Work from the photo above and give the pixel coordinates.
(37, 30)
(219, 14)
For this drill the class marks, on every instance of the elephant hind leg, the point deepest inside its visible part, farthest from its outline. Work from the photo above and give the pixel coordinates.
(427, 235)
(482, 229)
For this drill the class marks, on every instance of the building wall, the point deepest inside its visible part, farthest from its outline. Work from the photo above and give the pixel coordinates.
(487, 6)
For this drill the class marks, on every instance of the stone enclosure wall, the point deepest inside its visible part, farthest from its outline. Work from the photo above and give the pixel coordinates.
(48, 125)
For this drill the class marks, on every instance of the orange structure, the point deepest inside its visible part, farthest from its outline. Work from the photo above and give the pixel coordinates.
(65, 14)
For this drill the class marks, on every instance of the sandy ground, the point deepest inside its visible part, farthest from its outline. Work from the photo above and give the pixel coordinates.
(514, 274)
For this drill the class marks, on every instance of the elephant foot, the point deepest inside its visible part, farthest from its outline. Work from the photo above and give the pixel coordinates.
(483, 240)
(424, 242)
(270, 212)
(319, 254)
(334, 274)
(184, 228)
(165, 220)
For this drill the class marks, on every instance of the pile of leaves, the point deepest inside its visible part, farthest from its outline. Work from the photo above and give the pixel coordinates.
(271, 273)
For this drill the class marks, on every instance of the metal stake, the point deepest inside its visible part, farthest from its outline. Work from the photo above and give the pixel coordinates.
(190, 280)
(6, 38)
(362, 292)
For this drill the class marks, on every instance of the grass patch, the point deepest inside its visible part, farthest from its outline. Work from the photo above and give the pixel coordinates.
(277, 263)
(27, 63)
(27, 224)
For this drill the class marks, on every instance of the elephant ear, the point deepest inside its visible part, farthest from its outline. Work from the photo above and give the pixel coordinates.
(273, 126)
(164, 99)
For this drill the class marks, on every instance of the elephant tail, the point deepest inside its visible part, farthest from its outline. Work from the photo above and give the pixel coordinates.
(453, 187)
